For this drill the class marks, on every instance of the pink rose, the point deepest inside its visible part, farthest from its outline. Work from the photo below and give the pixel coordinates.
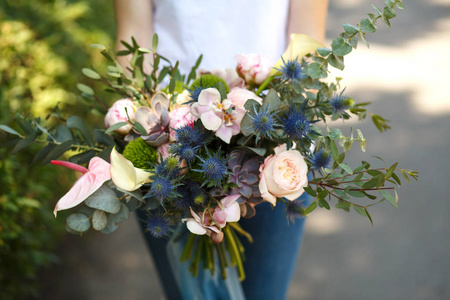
(239, 96)
(118, 113)
(180, 117)
(254, 68)
(284, 174)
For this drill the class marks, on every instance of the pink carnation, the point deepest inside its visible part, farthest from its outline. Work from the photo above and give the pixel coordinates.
(254, 68)
(180, 117)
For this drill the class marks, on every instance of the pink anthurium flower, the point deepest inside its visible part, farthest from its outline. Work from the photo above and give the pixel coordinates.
(228, 211)
(91, 180)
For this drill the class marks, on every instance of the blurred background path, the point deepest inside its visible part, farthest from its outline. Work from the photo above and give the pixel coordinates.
(406, 254)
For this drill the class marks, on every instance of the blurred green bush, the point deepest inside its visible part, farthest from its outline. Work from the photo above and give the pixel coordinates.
(44, 44)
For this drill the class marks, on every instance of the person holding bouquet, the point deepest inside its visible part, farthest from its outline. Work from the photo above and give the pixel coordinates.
(221, 31)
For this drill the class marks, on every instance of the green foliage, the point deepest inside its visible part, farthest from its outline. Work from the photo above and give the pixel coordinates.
(209, 80)
(42, 50)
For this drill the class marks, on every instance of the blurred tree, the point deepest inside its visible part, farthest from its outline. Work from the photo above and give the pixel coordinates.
(44, 45)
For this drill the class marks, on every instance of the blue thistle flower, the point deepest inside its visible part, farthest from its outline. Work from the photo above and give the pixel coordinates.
(158, 225)
(213, 168)
(194, 93)
(185, 200)
(191, 135)
(263, 124)
(320, 159)
(169, 167)
(296, 125)
(162, 189)
(291, 70)
(340, 103)
(295, 209)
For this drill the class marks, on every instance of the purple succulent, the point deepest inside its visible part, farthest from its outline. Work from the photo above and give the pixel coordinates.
(245, 173)
(155, 120)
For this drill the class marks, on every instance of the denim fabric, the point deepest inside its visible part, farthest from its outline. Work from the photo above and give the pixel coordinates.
(270, 259)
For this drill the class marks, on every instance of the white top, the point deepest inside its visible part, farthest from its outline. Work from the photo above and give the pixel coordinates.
(219, 29)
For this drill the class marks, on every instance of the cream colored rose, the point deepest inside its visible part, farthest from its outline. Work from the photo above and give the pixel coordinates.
(284, 174)
(119, 112)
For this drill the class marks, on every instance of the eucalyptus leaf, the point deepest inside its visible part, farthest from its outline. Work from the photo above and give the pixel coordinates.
(115, 126)
(78, 222)
(104, 199)
(99, 220)
(367, 26)
(386, 195)
(63, 134)
(340, 47)
(115, 219)
(350, 29)
(57, 151)
(324, 51)
(27, 141)
(102, 138)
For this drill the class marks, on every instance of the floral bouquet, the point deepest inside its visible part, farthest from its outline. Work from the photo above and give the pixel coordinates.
(202, 150)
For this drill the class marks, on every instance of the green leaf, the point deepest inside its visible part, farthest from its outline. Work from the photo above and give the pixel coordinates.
(336, 61)
(85, 89)
(57, 151)
(9, 130)
(138, 126)
(155, 42)
(324, 203)
(104, 199)
(144, 50)
(396, 178)
(82, 157)
(377, 10)
(405, 176)
(324, 51)
(115, 126)
(315, 71)
(346, 168)
(271, 101)
(42, 153)
(360, 210)
(102, 138)
(335, 134)
(139, 77)
(78, 222)
(99, 220)
(63, 134)
(98, 46)
(27, 141)
(357, 194)
(117, 218)
(389, 13)
(75, 122)
(310, 191)
(90, 73)
(334, 151)
(350, 29)
(389, 197)
(367, 26)
(370, 184)
(311, 208)
(391, 170)
(343, 205)
(340, 47)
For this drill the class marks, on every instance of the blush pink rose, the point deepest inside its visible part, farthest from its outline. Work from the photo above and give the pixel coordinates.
(118, 113)
(254, 68)
(239, 96)
(180, 117)
(284, 174)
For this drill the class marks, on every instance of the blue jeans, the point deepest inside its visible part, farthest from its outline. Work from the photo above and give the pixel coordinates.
(270, 259)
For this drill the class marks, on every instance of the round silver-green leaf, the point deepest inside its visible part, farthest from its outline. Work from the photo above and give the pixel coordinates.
(78, 222)
(104, 199)
(99, 220)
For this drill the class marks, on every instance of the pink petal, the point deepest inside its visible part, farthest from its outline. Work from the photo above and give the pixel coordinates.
(195, 227)
(233, 212)
(86, 185)
(225, 133)
(211, 121)
(209, 97)
(229, 200)
(220, 216)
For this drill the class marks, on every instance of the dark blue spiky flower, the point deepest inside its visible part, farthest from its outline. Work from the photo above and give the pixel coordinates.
(158, 225)
(263, 123)
(213, 168)
(291, 70)
(162, 189)
(340, 103)
(169, 167)
(295, 209)
(320, 159)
